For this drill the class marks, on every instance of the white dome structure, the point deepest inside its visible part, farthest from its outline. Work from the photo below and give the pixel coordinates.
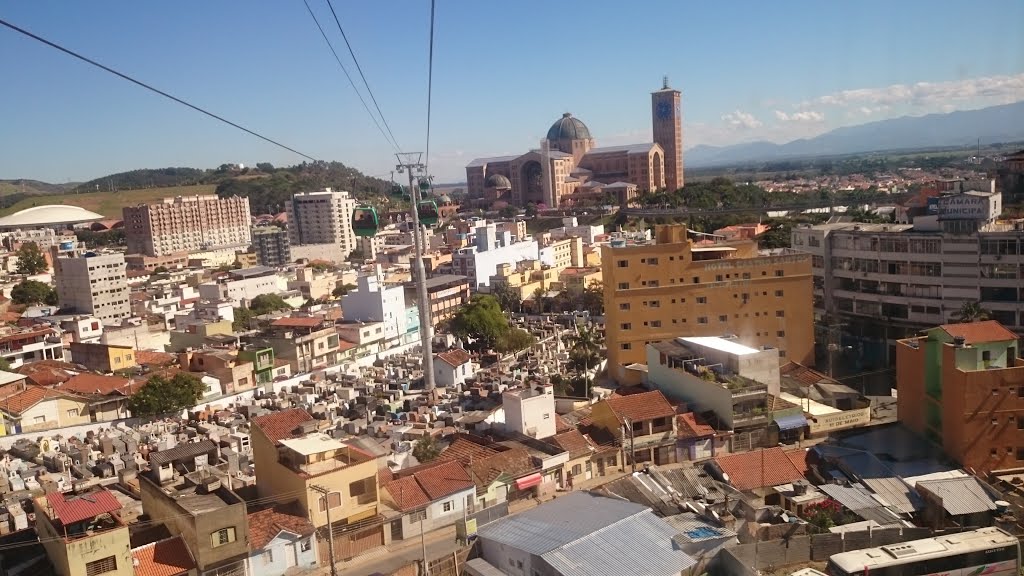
(49, 215)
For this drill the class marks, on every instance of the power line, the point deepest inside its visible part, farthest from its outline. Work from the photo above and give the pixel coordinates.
(430, 87)
(349, 76)
(151, 88)
(361, 75)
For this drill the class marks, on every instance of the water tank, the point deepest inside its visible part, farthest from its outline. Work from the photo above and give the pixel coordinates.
(1002, 506)
(67, 246)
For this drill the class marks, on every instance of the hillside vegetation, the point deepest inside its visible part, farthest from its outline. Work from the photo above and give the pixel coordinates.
(108, 204)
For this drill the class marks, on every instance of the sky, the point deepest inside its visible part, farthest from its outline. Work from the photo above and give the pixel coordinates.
(503, 72)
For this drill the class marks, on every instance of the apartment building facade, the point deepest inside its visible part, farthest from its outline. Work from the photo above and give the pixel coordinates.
(187, 224)
(93, 283)
(272, 246)
(961, 386)
(320, 223)
(373, 301)
(446, 293)
(676, 287)
(911, 277)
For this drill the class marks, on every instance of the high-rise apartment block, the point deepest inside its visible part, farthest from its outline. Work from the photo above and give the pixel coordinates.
(676, 287)
(667, 120)
(271, 245)
(962, 387)
(187, 224)
(320, 225)
(93, 283)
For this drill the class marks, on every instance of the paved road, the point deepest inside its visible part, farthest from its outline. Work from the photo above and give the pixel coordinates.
(439, 543)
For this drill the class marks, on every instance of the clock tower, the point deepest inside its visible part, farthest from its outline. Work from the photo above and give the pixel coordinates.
(667, 120)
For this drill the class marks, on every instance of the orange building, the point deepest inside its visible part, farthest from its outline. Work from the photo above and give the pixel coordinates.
(676, 287)
(962, 387)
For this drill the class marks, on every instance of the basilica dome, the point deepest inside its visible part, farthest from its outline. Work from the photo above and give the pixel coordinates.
(498, 181)
(568, 128)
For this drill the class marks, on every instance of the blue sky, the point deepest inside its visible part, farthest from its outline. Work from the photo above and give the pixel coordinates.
(503, 72)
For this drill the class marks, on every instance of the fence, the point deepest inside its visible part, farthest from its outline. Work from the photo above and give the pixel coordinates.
(488, 515)
(818, 547)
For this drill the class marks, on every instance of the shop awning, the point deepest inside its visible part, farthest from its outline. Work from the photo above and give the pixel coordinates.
(791, 422)
(528, 481)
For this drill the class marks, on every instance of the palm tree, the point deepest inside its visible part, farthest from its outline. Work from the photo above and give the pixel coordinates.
(585, 351)
(538, 300)
(971, 312)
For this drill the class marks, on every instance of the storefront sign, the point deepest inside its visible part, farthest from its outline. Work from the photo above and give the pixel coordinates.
(838, 420)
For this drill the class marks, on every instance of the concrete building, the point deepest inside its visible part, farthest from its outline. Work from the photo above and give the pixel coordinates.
(480, 261)
(141, 262)
(103, 357)
(561, 253)
(280, 541)
(296, 459)
(93, 283)
(313, 285)
(526, 277)
(960, 387)
(571, 227)
(453, 368)
(241, 286)
(644, 424)
(679, 287)
(21, 346)
(428, 497)
(530, 411)
(568, 169)
(271, 245)
(322, 220)
(446, 293)
(83, 328)
(187, 224)
(917, 275)
(372, 301)
(84, 535)
(307, 343)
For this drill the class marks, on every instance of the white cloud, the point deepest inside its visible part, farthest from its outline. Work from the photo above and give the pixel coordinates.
(805, 116)
(742, 120)
(999, 89)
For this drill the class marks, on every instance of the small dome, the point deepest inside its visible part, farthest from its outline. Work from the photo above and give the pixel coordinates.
(444, 199)
(568, 128)
(498, 181)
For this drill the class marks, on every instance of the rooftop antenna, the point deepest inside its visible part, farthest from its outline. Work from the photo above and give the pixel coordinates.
(664, 82)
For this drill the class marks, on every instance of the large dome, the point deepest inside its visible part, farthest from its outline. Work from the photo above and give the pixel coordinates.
(568, 128)
(498, 181)
(49, 215)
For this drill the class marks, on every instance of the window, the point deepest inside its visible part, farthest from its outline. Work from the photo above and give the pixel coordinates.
(624, 306)
(655, 323)
(718, 277)
(306, 545)
(652, 261)
(519, 564)
(39, 419)
(780, 313)
(622, 263)
(702, 299)
(117, 359)
(418, 516)
(73, 413)
(577, 469)
(696, 279)
(702, 320)
(654, 304)
(448, 506)
(986, 355)
(268, 557)
(222, 537)
(723, 318)
(101, 566)
(626, 326)
(333, 499)
(779, 273)
(626, 346)
(781, 333)
(778, 293)
(623, 285)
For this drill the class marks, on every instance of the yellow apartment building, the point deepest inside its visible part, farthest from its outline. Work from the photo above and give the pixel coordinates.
(577, 278)
(83, 535)
(526, 277)
(679, 287)
(103, 357)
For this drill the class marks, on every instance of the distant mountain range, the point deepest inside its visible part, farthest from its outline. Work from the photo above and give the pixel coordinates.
(1004, 123)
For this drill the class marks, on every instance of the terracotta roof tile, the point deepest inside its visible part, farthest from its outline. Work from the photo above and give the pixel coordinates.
(266, 524)
(91, 384)
(561, 425)
(978, 332)
(82, 507)
(466, 451)
(572, 442)
(407, 493)
(643, 406)
(804, 375)
(687, 426)
(297, 322)
(757, 469)
(515, 462)
(26, 398)
(153, 357)
(799, 460)
(279, 425)
(443, 479)
(456, 357)
(169, 557)
(48, 374)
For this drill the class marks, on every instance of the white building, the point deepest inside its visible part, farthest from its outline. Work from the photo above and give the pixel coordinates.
(372, 301)
(492, 248)
(452, 368)
(323, 221)
(93, 283)
(530, 411)
(88, 329)
(243, 285)
(571, 227)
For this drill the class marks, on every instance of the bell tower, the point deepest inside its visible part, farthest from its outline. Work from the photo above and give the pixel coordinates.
(667, 121)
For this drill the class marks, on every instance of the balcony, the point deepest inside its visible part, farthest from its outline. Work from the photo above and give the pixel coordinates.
(745, 419)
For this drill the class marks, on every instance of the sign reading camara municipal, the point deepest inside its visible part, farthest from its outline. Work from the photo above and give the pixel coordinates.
(968, 207)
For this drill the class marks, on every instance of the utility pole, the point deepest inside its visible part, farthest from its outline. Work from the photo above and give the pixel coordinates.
(410, 163)
(423, 544)
(330, 527)
(632, 448)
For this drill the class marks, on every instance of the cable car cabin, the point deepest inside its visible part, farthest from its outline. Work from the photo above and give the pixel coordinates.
(397, 191)
(428, 212)
(364, 221)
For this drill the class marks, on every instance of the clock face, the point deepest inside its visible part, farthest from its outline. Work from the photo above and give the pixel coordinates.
(664, 110)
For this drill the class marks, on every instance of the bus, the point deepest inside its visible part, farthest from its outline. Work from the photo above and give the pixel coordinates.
(983, 552)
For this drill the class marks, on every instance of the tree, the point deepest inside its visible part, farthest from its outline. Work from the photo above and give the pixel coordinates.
(31, 259)
(509, 212)
(531, 210)
(514, 340)
(33, 292)
(342, 289)
(480, 320)
(585, 352)
(265, 167)
(968, 312)
(266, 303)
(426, 449)
(161, 395)
(5, 365)
(592, 299)
(507, 296)
(160, 270)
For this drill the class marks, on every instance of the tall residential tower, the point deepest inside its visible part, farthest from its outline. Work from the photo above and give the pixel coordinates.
(320, 225)
(187, 224)
(667, 120)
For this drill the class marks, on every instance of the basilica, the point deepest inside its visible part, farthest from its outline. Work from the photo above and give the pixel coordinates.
(570, 170)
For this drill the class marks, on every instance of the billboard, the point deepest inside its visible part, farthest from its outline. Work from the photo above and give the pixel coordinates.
(965, 207)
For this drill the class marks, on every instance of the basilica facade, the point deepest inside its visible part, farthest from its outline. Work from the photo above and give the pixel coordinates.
(569, 169)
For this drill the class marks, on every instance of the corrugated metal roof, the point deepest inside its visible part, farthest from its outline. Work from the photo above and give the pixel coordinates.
(896, 493)
(480, 567)
(793, 422)
(182, 452)
(960, 495)
(854, 497)
(641, 544)
(692, 529)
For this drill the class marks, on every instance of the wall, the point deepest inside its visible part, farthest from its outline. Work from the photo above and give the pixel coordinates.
(286, 552)
(699, 394)
(69, 558)
(536, 411)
